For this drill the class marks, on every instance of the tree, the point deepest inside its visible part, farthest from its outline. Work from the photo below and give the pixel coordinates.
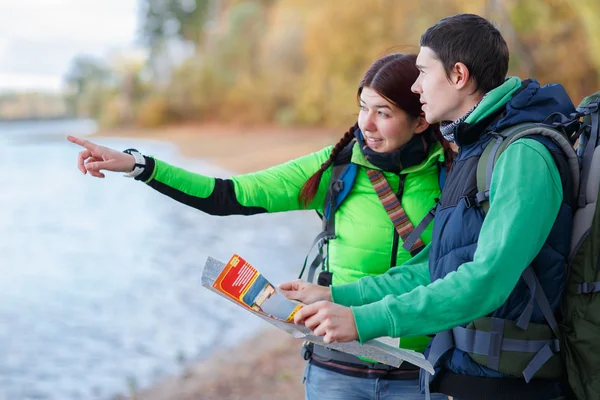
(87, 82)
(163, 20)
(589, 15)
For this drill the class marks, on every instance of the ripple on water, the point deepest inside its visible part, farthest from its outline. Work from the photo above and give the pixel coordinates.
(100, 279)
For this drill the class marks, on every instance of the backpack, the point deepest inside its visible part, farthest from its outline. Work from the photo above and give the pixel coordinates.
(581, 321)
(342, 180)
(576, 331)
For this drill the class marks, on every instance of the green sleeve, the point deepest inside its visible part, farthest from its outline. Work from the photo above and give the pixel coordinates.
(277, 188)
(525, 197)
(397, 281)
(271, 190)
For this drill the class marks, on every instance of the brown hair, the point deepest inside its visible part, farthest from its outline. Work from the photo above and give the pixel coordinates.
(473, 41)
(392, 77)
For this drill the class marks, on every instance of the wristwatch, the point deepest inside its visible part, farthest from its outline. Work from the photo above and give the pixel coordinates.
(140, 163)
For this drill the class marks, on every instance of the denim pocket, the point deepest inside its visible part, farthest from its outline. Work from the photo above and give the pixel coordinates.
(306, 372)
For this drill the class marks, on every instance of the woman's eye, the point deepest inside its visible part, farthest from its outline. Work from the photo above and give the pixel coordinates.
(363, 108)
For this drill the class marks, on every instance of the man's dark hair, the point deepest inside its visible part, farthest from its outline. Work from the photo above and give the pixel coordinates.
(473, 41)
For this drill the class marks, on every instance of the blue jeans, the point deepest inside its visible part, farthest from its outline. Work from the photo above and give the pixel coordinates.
(322, 384)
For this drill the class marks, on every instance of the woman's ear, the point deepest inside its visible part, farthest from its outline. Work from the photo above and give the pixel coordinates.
(421, 124)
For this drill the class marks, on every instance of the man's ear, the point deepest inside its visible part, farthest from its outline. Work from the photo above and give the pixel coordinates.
(460, 75)
(421, 125)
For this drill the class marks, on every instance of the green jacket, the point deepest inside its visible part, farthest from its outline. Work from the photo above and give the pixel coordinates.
(365, 233)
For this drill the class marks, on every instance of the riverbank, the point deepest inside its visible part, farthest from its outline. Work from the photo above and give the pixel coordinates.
(268, 365)
(264, 367)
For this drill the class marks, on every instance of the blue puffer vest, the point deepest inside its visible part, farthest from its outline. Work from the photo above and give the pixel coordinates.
(458, 220)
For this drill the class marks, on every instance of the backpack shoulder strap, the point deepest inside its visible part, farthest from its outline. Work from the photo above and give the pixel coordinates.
(588, 152)
(502, 140)
(342, 179)
(587, 145)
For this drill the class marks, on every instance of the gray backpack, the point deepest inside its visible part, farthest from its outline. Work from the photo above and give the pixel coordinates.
(576, 331)
(580, 328)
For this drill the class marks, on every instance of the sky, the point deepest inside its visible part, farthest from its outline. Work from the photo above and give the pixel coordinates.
(40, 38)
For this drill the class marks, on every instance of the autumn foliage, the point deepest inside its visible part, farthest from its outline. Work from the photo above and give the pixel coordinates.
(300, 61)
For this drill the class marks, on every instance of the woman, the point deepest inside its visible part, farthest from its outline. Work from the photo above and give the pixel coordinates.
(394, 145)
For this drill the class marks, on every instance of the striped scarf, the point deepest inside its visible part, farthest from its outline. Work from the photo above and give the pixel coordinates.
(448, 128)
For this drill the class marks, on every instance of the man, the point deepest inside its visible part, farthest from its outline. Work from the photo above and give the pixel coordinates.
(474, 275)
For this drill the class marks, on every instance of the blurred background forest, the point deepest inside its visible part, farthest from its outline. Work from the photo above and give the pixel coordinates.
(297, 62)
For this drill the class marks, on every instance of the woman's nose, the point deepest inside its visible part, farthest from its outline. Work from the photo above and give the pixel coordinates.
(370, 124)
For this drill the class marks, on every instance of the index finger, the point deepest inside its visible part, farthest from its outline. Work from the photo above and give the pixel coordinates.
(81, 142)
(305, 312)
(292, 285)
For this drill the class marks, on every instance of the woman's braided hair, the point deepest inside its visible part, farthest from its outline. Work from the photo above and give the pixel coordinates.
(309, 190)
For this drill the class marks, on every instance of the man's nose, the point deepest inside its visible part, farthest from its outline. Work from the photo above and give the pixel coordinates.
(416, 87)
